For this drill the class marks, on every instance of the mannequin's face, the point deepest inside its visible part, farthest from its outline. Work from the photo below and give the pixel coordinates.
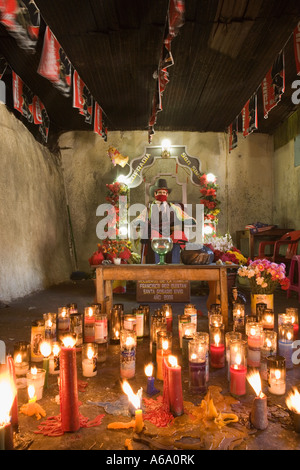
(161, 195)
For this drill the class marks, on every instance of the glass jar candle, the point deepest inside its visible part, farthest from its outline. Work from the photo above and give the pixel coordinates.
(293, 313)
(89, 359)
(127, 353)
(191, 310)
(63, 323)
(276, 375)
(268, 348)
(139, 323)
(285, 343)
(54, 363)
(238, 314)
(163, 349)
(181, 320)
(129, 321)
(115, 325)
(215, 308)
(254, 333)
(101, 328)
(238, 367)
(217, 346)
(36, 377)
(260, 307)
(267, 319)
(50, 326)
(146, 309)
(158, 325)
(203, 336)
(89, 325)
(168, 314)
(197, 355)
(37, 337)
(21, 357)
(188, 331)
(215, 319)
(76, 329)
(229, 337)
(250, 319)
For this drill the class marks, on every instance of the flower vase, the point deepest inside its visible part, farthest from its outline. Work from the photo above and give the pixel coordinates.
(267, 299)
(117, 260)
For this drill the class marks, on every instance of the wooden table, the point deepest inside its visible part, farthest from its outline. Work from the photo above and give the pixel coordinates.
(215, 275)
(272, 234)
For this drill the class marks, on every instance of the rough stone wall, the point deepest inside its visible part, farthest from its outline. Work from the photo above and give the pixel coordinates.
(244, 177)
(34, 250)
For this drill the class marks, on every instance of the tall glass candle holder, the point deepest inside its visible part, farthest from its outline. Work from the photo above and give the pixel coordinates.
(158, 325)
(268, 348)
(163, 349)
(203, 337)
(37, 337)
(191, 310)
(54, 361)
(197, 351)
(63, 323)
(146, 309)
(89, 359)
(293, 313)
(188, 331)
(268, 319)
(238, 314)
(168, 314)
(229, 337)
(238, 368)
(76, 328)
(89, 325)
(276, 375)
(215, 319)
(181, 320)
(115, 325)
(139, 323)
(128, 342)
(129, 321)
(217, 346)
(50, 326)
(21, 357)
(260, 307)
(255, 334)
(285, 343)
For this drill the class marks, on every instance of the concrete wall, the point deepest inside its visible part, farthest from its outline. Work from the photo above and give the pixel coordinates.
(34, 251)
(244, 177)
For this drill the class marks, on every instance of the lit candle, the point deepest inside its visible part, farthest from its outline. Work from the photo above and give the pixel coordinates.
(188, 331)
(14, 408)
(32, 408)
(151, 390)
(89, 360)
(63, 323)
(50, 326)
(203, 337)
(45, 348)
(293, 404)
(293, 313)
(254, 332)
(238, 368)
(191, 310)
(168, 313)
(89, 325)
(172, 391)
(267, 319)
(7, 398)
(238, 317)
(269, 348)
(259, 412)
(217, 347)
(181, 320)
(54, 359)
(197, 365)
(127, 354)
(68, 386)
(36, 377)
(285, 343)
(21, 357)
(139, 323)
(135, 400)
(37, 336)
(115, 325)
(276, 375)
(229, 337)
(164, 341)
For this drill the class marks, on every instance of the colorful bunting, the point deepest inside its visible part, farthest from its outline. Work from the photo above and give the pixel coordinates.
(55, 65)
(273, 85)
(82, 98)
(249, 116)
(99, 124)
(22, 20)
(233, 135)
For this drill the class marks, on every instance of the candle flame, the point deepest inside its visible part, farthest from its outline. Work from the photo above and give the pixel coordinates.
(90, 312)
(165, 345)
(255, 382)
(268, 343)
(149, 370)
(193, 356)
(238, 359)
(64, 312)
(217, 339)
(277, 374)
(69, 341)
(90, 353)
(134, 399)
(289, 335)
(269, 319)
(45, 348)
(7, 395)
(129, 341)
(49, 323)
(173, 361)
(56, 349)
(33, 370)
(31, 391)
(293, 401)
(18, 359)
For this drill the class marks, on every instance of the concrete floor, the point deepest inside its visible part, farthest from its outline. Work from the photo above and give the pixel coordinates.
(15, 325)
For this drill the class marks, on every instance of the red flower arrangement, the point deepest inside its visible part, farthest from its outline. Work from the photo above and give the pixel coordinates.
(109, 249)
(209, 199)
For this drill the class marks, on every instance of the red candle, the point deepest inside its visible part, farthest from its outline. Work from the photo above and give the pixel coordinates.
(14, 408)
(172, 392)
(238, 380)
(68, 390)
(217, 355)
(296, 330)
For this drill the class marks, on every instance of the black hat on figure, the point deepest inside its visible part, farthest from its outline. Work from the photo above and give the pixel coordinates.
(159, 184)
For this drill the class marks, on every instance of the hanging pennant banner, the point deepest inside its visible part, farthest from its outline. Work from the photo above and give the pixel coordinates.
(55, 65)
(3, 65)
(233, 135)
(82, 98)
(99, 124)
(297, 47)
(44, 126)
(22, 98)
(22, 20)
(249, 116)
(273, 85)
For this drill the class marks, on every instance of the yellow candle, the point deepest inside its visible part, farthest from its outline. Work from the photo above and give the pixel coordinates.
(139, 423)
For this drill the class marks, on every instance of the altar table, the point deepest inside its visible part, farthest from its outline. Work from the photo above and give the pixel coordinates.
(215, 275)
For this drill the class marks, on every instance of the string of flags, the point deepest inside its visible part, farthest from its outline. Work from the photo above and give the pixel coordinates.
(22, 21)
(272, 87)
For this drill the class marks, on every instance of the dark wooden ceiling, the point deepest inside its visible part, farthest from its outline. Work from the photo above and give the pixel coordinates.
(221, 54)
